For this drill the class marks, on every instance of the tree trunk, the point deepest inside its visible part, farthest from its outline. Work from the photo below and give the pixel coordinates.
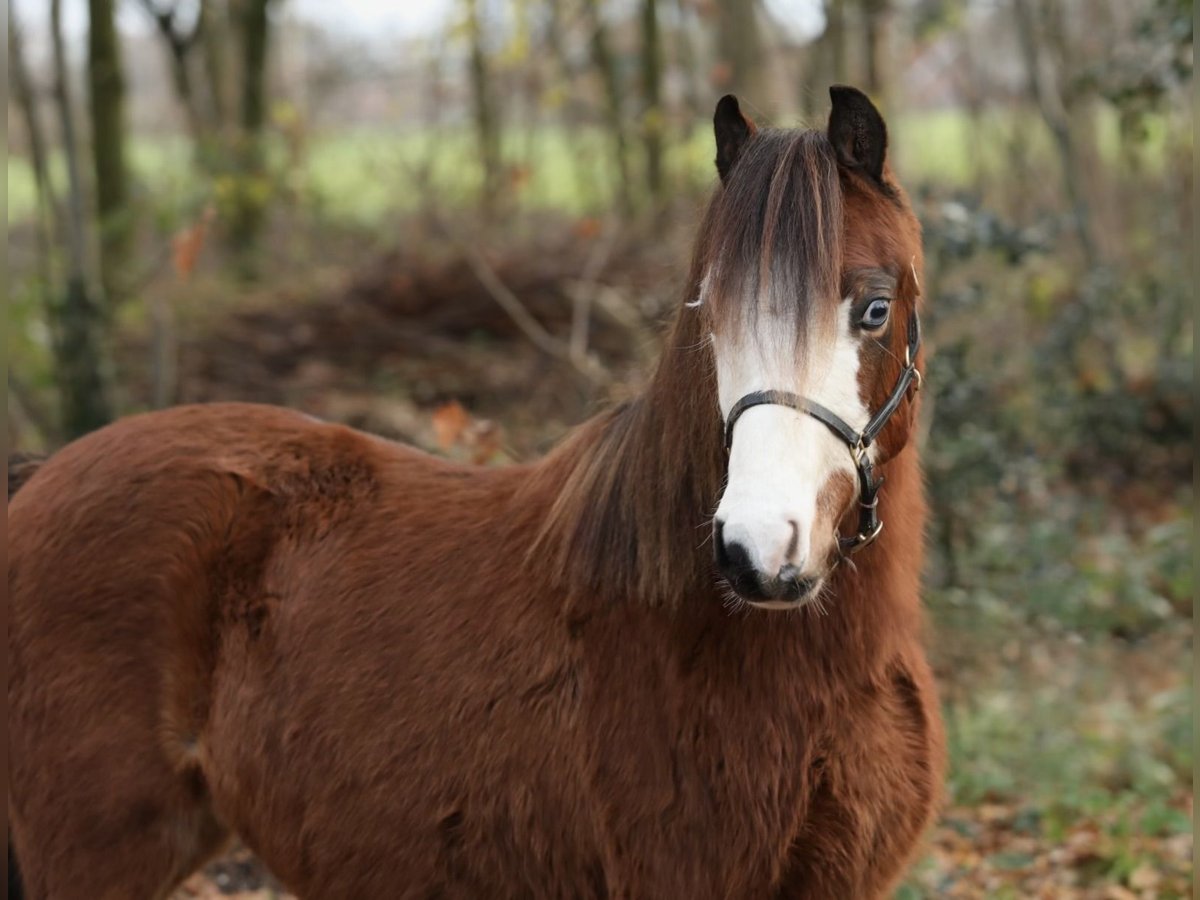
(824, 63)
(740, 48)
(484, 107)
(255, 29)
(874, 22)
(47, 221)
(249, 207)
(686, 61)
(1051, 108)
(216, 33)
(107, 95)
(179, 47)
(836, 33)
(606, 67)
(27, 103)
(653, 116)
(77, 322)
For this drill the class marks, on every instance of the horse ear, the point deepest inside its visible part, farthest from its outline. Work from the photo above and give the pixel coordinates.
(732, 130)
(857, 131)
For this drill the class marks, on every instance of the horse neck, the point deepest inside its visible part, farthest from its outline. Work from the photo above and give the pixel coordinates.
(631, 496)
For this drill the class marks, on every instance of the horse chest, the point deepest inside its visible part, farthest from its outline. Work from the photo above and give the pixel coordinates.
(702, 782)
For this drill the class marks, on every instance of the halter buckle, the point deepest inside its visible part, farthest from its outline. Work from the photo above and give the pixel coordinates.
(865, 539)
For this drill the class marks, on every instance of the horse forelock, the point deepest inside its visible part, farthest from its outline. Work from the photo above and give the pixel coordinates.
(771, 243)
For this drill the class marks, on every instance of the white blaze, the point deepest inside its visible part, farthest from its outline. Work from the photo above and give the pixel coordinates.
(782, 458)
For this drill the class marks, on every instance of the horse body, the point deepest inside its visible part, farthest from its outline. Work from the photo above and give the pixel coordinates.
(393, 676)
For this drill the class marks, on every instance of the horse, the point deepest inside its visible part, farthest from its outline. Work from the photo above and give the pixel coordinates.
(678, 656)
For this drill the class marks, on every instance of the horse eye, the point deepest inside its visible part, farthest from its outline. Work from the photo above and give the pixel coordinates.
(876, 314)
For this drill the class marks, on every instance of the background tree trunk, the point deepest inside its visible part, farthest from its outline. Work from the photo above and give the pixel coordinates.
(77, 321)
(250, 163)
(27, 103)
(1050, 106)
(606, 68)
(46, 218)
(685, 61)
(484, 107)
(216, 33)
(653, 115)
(874, 30)
(740, 49)
(106, 87)
(824, 63)
(255, 31)
(179, 45)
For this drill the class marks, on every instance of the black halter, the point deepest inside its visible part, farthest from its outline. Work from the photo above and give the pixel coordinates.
(869, 524)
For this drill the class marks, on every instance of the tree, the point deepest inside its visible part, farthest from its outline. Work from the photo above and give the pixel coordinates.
(487, 130)
(740, 47)
(180, 41)
(77, 321)
(1049, 103)
(874, 22)
(652, 113)
(27, 103)
(605, 65)
(250, 158)
(106, 87)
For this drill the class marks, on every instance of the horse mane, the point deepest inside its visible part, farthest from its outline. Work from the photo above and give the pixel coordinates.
(635, 487)
(21, 467)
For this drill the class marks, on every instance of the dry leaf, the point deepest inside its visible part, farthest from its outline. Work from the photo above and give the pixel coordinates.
(1144, 877)
(450, 420)
(187, 244)
(588, 228)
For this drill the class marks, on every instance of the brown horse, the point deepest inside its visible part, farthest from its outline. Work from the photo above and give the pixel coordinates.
(393, 676)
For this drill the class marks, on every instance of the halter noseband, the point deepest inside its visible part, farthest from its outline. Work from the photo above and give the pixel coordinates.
(869, 524)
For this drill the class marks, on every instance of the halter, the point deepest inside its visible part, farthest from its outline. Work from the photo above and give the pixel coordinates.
(869, 525)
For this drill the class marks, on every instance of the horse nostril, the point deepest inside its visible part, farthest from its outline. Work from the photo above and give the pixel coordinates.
(733, 560)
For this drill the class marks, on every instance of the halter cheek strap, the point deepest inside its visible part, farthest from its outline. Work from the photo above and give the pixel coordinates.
(869, 525)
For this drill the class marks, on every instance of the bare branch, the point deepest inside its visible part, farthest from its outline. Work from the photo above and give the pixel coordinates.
(585, 295)
(522, 318)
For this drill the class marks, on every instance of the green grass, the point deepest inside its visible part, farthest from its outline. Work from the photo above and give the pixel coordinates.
(1074, 735)
(366, 175)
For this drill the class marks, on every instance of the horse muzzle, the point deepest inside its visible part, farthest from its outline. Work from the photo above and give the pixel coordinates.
(787, 588)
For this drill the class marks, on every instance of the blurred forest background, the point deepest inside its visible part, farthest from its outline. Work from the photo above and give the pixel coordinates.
(460, 222)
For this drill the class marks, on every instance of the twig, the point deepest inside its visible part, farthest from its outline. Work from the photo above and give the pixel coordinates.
(589, 286)
(522, 318)
(510, 302)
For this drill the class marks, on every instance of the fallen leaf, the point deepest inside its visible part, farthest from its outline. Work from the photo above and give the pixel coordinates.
(450, 420)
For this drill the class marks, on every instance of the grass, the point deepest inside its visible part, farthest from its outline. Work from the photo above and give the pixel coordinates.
(366, 175)
(1070, 773)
